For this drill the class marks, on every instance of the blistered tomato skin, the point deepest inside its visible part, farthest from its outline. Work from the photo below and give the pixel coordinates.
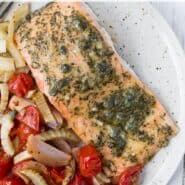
(20, 84)
(58, 174)
(131, 173)
(23, 132)
(89, 161)
(30, 117)
(5, 165)
(12, 181)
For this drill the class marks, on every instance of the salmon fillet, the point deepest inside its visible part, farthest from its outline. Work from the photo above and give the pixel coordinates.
(76, 66)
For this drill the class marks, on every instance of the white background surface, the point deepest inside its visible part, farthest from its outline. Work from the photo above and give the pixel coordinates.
(174, 13)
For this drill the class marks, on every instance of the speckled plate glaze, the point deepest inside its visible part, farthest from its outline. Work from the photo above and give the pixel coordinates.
(149, 46)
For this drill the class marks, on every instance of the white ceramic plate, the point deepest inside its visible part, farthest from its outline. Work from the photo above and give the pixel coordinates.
(144, 39)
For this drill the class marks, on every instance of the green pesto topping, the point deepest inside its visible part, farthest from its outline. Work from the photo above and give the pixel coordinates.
(35, 65)
(59, 86)
(95, 53)
(63, 50)
(84, 83)
(124, 111)
(126, 108)
(76, 22)
(66, 68)
(166, 131)
(143, 136)
(93, 49)
(132, 158)
(117, 141)
(100, 140)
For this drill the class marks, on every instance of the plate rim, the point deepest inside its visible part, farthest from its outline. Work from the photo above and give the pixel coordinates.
(161, 177)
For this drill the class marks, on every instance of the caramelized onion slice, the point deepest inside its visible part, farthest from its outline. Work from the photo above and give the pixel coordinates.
(62, 145)
(46, 154)
(75, 152)
(58, 117)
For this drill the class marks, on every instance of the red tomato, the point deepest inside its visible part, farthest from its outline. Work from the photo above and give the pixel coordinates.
(128, 175)
(23, 132)
(80, 180)
(58, 174)
(89, 161)
(5, 165)
(20, 84)
(30, 117)
(18, 166)
(12, 181)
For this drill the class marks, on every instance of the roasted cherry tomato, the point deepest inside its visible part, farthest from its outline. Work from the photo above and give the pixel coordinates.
(89, 161)
(30, 117)
(130, 174)
(5, 164)
(12, 181)
(20, 84)
(80, 180)
(23, 132)
(18, 166)
(57, 174)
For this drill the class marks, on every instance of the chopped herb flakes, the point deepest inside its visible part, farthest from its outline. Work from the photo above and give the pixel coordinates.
(125, 111)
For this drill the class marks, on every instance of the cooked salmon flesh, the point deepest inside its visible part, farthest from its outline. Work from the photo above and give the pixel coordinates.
(76, 66)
